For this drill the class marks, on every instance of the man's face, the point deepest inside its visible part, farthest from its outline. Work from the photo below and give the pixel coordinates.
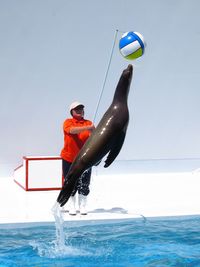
(78, 112)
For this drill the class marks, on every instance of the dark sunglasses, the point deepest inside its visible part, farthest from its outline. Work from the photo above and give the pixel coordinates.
(79, 108)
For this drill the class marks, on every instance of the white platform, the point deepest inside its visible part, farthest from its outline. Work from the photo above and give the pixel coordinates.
(111, 197)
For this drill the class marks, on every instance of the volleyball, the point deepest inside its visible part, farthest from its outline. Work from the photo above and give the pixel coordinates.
(132, 45)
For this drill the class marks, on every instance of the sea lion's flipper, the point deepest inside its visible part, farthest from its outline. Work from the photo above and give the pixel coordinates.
(66, 191)
(117, 145)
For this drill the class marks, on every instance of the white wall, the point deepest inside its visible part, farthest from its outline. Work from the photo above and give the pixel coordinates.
(53, 52)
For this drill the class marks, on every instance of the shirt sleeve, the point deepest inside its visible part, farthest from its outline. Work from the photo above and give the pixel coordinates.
(88, 122)
(67, 125)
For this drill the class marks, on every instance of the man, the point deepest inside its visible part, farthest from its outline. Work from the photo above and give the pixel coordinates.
(76, 132)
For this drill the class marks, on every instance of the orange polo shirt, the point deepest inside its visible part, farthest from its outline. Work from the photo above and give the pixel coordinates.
(73, 142)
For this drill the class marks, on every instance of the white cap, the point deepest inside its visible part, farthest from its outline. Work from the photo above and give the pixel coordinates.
(75, 105)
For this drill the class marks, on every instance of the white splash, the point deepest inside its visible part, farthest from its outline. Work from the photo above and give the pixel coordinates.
(59, 247)
(60, 237)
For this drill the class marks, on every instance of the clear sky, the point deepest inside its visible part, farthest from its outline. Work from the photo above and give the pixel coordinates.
(53, 52)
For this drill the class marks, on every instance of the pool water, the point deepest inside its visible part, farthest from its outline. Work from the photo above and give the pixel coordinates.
(137, 242)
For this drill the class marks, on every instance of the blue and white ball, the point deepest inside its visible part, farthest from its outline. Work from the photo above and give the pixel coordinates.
(132, 45)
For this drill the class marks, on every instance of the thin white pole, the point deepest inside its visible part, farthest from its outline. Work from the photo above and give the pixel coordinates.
(112, 50)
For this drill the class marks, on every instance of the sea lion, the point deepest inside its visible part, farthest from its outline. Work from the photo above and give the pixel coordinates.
(108, 137)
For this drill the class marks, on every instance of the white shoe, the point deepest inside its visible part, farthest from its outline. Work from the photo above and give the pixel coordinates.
(72, 205)
(82, 200)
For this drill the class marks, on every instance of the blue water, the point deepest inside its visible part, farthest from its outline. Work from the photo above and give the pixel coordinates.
(137, 242)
